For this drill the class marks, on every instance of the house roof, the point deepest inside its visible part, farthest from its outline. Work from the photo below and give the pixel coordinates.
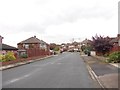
(8, 47)
(86, 41)
(115, 40)
(32, 40)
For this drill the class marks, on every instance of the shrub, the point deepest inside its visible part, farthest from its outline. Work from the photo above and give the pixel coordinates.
(9, 56)
(114, 57)
(101, 44)
(106, 55)
(2, 58)
(24, 56)
(87, 51)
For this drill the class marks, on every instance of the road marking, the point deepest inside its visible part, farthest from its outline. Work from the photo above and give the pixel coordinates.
(14, 80)
(59, 63)
(20, 78)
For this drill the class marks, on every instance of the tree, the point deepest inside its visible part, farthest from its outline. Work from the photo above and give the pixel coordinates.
(52, 46)
(101, 44)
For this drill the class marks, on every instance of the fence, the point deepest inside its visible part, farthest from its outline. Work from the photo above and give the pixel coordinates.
(32, 55)
(37, 52)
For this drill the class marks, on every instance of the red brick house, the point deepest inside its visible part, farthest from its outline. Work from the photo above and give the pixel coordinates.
(116, 43)
(34, 47)
(86, 42)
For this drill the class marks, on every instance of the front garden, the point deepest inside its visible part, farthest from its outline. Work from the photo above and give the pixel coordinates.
(114, 57)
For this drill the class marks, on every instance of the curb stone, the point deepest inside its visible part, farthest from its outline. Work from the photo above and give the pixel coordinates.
(92, 73)
(113, 64)
(23, 63)
(116, 65)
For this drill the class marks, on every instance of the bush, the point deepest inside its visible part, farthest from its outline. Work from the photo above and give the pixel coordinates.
(2, 58)
(24, 56)
(106, 55)
(114, 57)
(9, 56)
(86, 51)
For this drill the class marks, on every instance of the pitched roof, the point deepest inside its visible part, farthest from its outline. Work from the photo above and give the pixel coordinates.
(115, 40)
(86, 41)
(31, 40)
(8, 47)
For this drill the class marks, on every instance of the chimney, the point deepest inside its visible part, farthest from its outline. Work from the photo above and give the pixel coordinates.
(34, 36)
(118, 35)
(1, 39)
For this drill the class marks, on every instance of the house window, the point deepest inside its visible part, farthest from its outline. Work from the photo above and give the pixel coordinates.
(31, 46)
(43, 46)
(26, 46)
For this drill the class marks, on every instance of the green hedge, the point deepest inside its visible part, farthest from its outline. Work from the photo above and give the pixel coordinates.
(114, 57)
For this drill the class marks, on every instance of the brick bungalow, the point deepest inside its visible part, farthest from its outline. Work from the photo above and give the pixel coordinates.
(5, 48)
(34, 47)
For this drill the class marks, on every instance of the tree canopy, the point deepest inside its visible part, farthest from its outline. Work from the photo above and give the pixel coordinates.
(101, 44)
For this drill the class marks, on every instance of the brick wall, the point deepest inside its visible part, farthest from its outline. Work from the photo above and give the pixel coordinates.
(115, 48)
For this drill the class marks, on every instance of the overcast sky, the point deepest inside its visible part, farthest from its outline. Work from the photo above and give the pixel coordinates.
(57, 20)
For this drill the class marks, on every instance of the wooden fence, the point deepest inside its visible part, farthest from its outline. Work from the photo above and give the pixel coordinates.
(33, 54)
(37, 52)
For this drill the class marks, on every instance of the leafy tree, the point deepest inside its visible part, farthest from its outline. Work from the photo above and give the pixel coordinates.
(101, 44)
(52, 46)
(56, 48)
(83, 47)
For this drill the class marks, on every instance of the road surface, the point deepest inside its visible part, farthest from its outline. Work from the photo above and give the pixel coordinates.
(66, 70)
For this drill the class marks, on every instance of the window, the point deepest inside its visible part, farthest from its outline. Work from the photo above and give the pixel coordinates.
(43, 46)
(26, 46)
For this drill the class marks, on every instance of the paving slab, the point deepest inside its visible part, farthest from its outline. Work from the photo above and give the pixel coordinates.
(107, 74)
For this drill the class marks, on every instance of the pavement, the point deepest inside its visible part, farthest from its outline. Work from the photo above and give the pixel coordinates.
(106, 74)
(66, 70)
(22, 63)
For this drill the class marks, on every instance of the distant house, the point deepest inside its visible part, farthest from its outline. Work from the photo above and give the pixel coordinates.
(116, 43)
(5, 48)
(33, 42)
(74, 46)
(86, 42)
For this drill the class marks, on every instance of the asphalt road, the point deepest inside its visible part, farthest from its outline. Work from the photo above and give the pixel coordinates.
(66, 70)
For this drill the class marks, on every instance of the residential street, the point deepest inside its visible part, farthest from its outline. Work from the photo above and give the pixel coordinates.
(66, 70)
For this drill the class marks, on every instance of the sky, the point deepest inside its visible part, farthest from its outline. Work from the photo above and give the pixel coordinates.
(57, 21)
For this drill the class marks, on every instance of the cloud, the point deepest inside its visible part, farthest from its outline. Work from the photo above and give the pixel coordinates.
(58, 18)
(43, 13)
(33, 27)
